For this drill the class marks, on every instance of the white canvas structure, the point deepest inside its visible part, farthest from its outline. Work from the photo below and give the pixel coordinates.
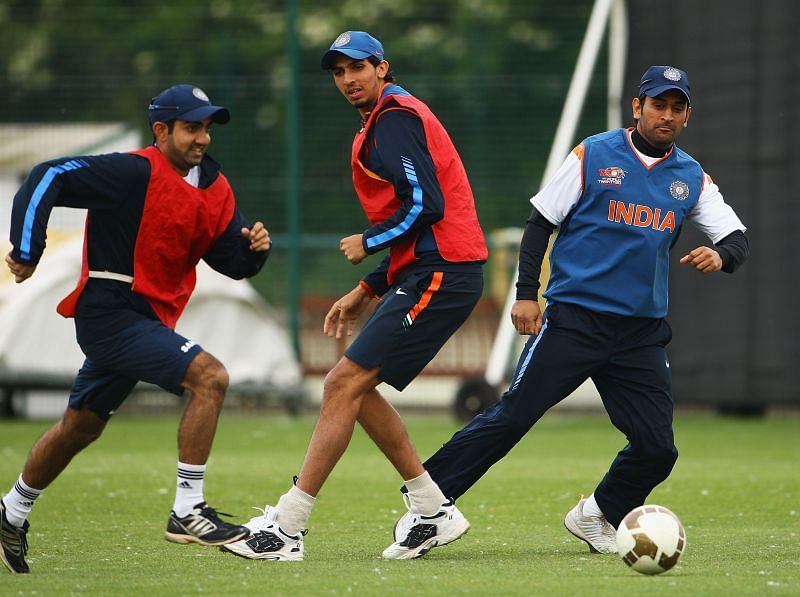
(227, 317)
(22, 146)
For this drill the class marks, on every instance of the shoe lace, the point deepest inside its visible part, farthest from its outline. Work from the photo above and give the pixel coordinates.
(23, 538)
(267, 512)
(212, 514)
(271, 514)
(262, 510)
(407, 501)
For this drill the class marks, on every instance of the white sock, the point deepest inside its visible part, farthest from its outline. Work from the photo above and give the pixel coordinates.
(189, 491)
(426, 497)
(590, 507)
(19, 501)
(294, 510)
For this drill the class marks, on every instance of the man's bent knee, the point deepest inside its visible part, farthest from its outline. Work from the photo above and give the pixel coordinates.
(349, 379)
(668, 457)
(81, 427)
(206, 375)
(660, 460)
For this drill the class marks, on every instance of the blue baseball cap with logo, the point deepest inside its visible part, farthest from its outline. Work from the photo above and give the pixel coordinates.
(658, 79)
(355, 44)
(185, 102)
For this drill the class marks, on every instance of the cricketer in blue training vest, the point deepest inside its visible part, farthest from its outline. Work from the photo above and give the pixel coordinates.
(634, 217)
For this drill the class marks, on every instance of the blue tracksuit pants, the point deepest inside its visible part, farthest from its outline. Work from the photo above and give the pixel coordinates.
(626, 359)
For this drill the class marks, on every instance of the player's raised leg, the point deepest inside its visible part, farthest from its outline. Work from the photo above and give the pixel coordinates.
(345, 386)
(431, 520)
(48, 458)
(192, 520)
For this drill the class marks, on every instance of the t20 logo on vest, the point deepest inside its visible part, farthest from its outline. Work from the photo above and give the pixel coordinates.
(611, 176)
(641, 216)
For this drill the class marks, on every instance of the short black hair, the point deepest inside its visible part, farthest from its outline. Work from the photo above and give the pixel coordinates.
(170, 127)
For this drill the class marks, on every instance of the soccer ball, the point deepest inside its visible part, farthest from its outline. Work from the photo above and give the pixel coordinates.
(651, 539)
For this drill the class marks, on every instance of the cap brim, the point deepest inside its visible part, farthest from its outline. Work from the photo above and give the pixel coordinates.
(656, 91)
(217, 114)
(327, 60)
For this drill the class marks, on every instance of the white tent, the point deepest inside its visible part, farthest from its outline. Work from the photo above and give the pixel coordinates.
(226, 317)
(24, 145)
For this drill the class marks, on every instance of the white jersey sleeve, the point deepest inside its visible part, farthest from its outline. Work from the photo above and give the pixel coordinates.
(560, 194)
(712, 216)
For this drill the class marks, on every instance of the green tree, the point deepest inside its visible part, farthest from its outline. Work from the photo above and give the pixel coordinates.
(495, 71)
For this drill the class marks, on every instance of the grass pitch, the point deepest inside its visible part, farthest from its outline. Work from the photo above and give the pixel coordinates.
(98, 530)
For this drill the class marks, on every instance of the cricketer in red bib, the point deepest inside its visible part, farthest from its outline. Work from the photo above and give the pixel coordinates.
(458, 235)
(167, 250)
(152, 215)
(413, 188)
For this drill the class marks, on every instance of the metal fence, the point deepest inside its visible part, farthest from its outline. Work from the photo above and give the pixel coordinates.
(496, 73)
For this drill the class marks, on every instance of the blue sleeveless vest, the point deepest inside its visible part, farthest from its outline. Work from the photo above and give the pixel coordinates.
(612, 251)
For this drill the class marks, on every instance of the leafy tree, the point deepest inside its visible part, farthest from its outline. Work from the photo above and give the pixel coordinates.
(495, 71)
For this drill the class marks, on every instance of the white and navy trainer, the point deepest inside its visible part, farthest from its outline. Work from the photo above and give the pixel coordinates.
(596, 531)
(416, 534)
(267, 540)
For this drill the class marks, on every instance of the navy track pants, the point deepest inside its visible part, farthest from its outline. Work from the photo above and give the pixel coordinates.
(626, 359)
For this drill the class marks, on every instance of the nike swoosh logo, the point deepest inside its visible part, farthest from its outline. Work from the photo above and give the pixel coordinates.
(399, 291)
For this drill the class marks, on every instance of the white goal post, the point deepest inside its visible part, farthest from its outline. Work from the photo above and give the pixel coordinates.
(611, 14)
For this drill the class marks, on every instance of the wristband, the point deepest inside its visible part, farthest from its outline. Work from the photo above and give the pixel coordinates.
(366, 288)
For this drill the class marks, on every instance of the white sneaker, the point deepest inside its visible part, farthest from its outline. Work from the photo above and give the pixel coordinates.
(267, 540)
(596, 531)
(415, 534)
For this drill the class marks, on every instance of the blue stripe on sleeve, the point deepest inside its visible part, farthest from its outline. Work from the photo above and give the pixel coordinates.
(411, 216)
(36, 198)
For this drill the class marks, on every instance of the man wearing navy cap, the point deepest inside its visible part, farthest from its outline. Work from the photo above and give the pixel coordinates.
(152, 215)
(619, 201)
(414, 190)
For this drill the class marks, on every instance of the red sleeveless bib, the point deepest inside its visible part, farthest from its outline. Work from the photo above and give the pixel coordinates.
(179, 224)
(458, 235)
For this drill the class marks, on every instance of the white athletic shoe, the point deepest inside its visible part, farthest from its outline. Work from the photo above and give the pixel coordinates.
(267, 540)
(596, 531)
(415, 534)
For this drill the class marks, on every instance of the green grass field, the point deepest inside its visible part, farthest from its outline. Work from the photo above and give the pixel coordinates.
(98, 530)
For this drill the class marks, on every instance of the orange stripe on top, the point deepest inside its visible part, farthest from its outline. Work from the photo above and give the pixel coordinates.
(435, 284)
(628, 133)
(579, 151)
(370, 173)
(706, 180)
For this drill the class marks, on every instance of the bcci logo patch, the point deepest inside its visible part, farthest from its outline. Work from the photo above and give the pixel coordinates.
(612, 175)
(679, 190)
(342, 40)
(671, 73)
(200, 94)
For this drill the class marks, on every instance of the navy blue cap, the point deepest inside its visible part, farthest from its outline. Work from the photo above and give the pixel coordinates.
(658, 79)
(355, 44)
(185, 102)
